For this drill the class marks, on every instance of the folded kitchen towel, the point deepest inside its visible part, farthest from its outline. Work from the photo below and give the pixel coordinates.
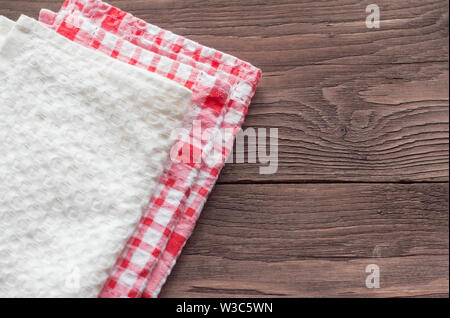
(210, 97)
(84, 139)
(125, 279)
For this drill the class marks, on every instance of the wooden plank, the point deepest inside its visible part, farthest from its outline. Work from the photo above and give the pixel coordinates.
(316, 240)
(351, 103)
(353, 123)
(279, 35)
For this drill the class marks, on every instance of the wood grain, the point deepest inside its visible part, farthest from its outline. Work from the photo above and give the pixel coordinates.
(351, 103)
(363, 148)
(316, 240)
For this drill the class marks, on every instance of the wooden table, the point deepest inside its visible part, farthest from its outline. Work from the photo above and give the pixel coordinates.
(363, 148)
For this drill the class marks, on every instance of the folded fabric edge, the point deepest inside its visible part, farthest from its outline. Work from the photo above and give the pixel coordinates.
(50, 19)
(47, 16)
(185, 46)
(114, 67)
(5, 26)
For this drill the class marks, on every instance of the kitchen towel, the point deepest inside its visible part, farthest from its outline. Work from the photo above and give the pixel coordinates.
(210, 97)
(243, 77)
(84, 139)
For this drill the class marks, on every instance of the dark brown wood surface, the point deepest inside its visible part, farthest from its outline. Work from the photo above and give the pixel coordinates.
(363, 150)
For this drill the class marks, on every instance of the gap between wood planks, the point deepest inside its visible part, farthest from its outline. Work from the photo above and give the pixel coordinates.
(328, 182)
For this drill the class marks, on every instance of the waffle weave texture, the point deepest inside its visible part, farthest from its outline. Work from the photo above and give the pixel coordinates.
(145, 278)
(84, 139)
(5, 26)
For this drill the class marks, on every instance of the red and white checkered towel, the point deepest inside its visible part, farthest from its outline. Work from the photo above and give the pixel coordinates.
(152, 251)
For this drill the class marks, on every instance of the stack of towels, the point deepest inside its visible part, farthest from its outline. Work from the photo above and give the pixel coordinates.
(113, 133)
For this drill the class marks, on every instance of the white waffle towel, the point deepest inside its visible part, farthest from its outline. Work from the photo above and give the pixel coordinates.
(83, 139)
